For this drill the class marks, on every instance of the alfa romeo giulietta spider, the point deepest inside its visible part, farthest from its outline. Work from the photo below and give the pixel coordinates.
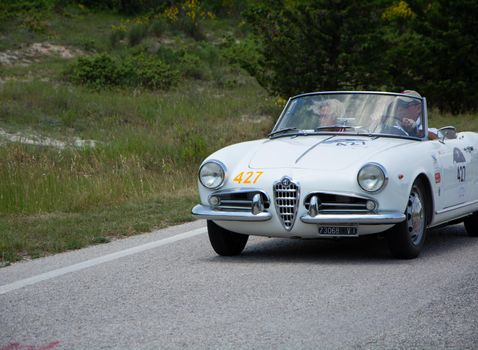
(343, 164)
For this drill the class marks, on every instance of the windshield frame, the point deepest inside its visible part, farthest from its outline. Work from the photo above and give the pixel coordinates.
(302, 132)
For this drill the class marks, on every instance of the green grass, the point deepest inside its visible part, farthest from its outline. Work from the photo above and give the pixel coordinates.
(462, 122)
(150, 146)
(82, 29)
(142, 173)
(35, 235)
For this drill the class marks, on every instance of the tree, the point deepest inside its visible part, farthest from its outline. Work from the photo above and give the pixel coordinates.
(424, 45)
(432, 48)
(319, 45)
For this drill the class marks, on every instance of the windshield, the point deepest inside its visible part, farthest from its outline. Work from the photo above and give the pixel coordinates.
(362, 113)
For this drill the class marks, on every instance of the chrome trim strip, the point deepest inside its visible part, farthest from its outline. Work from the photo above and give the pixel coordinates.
(204, 212)
(344, 211)
(383, 218)
(356, 93)
(231, 201)
(232, 207)
(425, 118)
(343, 205)
(239, 190)
(343, 194)
(455, 207)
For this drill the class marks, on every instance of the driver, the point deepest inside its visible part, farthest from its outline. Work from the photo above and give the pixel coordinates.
(408, 114)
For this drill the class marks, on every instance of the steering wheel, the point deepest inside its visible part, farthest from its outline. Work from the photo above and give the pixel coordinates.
(396, 128)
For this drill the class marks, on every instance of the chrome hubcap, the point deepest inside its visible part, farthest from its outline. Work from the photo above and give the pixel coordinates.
(415, 216)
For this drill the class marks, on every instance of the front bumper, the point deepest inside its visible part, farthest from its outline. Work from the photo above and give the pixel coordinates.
(204, 212)
(381, 218)
(362, 219)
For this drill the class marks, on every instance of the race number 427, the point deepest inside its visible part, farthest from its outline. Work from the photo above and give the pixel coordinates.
(247, 177)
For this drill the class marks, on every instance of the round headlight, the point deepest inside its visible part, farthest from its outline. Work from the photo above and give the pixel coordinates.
(212, 174)
(371, 177)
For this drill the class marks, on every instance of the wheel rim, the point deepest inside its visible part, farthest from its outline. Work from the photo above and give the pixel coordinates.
(415, 216)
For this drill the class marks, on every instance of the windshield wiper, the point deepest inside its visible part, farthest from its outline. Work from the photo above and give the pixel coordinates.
(358, 129)
(335, 126)
(281, 131)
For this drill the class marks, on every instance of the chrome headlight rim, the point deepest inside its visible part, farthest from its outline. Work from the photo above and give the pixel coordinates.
(223, 169)
(384, 174)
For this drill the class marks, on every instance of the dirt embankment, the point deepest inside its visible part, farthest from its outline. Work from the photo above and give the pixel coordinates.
(35, 51)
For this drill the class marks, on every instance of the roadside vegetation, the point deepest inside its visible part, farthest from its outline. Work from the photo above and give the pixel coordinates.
(107, 110)
(106, 142)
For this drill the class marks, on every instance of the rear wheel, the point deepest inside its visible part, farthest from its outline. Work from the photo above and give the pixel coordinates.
(225, 242)
(407, 238)
(471, 225)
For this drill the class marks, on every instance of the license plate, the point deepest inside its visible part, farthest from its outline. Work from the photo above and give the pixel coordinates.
(338, 231)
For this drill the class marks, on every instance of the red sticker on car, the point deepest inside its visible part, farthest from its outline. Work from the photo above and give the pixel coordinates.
(437, 178)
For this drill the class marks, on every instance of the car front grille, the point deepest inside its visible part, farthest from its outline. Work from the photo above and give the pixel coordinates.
(330, 203)
(286, 200)
(239, 200)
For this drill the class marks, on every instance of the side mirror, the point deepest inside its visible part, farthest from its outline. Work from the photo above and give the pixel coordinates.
(446, 133)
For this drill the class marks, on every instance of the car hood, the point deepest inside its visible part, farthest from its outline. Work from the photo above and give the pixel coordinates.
(323, 152)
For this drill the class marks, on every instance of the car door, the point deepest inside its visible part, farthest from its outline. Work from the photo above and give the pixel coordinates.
(455, 159)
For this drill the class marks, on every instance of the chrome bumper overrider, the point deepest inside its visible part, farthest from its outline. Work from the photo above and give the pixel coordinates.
(363, 219)
(205, 212)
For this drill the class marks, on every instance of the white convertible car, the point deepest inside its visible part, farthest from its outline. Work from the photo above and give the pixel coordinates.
(343, 164)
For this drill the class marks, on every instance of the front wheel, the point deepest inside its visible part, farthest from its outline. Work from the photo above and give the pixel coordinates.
(471, 225)
(225, 242)
(406, 239)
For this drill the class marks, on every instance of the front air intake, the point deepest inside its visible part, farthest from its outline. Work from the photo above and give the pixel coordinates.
(286, 200)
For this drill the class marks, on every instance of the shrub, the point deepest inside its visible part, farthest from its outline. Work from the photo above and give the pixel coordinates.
(191, 66)
(35, 23)
(188, 17)
(88, 44)
(136, 33)
(194, 148)
(22, 7)
(150, 72)
(140, 70)
(246, 54)
(191, 27)
(115, 37)
(157, 27)
(168, 55)
(208, 52)
(97, 71)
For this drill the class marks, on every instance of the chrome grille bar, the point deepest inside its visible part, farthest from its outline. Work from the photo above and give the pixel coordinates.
(343, 205)
(238, 199)
(338, 203)
(338, 211)
(233, 201)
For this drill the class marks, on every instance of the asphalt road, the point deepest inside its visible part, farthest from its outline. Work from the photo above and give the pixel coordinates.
(279, 294)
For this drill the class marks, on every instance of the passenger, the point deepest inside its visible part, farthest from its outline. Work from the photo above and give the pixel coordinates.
(328, 111)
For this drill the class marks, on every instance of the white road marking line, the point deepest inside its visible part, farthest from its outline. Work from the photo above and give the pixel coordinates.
(96, 261)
